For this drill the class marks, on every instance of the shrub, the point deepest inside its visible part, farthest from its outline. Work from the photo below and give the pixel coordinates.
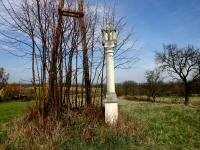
(12, 91)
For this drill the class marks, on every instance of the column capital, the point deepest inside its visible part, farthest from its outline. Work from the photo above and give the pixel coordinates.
(107, 51)
(109, 45)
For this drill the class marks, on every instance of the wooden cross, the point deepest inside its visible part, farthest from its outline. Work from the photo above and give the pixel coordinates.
(73, 13)
(80, 15)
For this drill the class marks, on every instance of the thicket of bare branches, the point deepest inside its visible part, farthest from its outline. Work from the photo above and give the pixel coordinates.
(67, 57)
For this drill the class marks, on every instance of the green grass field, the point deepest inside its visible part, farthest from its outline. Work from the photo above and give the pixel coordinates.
(170, 126)
(11, 110)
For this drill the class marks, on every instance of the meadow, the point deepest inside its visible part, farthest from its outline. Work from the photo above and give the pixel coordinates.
(157, 126)
(171, 126)
(12, 110)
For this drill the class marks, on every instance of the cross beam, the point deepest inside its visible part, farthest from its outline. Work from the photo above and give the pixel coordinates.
(71, 13)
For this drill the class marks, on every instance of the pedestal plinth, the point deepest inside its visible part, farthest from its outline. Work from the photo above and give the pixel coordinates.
(111, 108)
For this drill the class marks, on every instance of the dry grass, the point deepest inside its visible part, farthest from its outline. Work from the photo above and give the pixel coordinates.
(143, 125)
(82, 129)
(28, 135)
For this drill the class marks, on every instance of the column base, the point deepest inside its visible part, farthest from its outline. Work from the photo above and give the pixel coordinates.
(111, 108)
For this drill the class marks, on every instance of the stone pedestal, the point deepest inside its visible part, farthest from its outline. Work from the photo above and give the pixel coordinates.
(111, 108)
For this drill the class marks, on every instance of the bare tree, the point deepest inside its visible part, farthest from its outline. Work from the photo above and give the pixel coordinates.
(62, 39)
(181, 64)
(3, 78)
(154, 81)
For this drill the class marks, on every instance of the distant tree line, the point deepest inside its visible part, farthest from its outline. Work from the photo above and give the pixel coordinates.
(171, 88)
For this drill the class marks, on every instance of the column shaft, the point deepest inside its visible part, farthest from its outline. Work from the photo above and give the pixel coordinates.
(110, 75)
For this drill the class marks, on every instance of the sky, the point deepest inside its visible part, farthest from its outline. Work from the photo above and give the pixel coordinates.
(154, 23)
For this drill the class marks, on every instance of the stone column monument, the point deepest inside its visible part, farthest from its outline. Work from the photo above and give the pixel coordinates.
(111, 104)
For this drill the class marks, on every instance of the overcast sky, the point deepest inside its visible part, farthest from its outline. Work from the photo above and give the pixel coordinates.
(154, 23)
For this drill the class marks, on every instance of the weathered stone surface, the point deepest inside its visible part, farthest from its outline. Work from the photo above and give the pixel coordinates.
(111, 113)
(110, 98)
(111, 105)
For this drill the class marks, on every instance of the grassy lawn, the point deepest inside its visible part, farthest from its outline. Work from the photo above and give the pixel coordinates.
(11, 110)
(171, 126)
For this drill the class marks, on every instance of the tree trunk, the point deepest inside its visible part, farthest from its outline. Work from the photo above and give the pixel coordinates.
(53, 92)
(60, 78)
(76, 79)
(186, 94)
(85, 57)
(154, 99)
(33, 72)
(69, 79)
(102, 77)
